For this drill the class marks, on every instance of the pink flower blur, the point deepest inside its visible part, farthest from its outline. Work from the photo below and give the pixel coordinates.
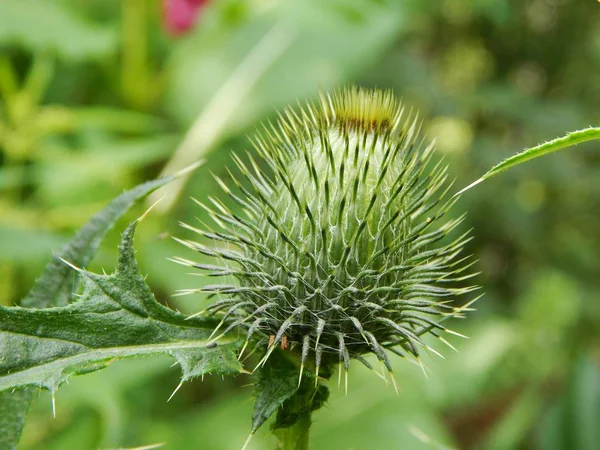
(180, 15)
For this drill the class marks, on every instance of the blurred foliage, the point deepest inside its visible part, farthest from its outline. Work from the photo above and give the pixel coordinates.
(95, 97)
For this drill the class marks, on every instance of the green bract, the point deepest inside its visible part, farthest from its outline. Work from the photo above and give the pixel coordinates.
(340, 248)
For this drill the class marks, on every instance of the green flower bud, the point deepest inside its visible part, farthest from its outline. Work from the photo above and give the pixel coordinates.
(341, 246)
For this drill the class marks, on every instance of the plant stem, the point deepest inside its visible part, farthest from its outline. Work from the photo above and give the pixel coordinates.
(295, 437)
(292, 425)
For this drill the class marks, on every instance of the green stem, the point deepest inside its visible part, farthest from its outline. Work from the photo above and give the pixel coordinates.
(292, 425)
(295, 437)
(573, 138)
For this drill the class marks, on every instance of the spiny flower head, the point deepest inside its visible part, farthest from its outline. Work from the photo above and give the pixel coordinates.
(339, 247)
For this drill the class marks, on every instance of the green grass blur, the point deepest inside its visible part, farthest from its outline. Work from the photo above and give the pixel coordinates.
(96, 97)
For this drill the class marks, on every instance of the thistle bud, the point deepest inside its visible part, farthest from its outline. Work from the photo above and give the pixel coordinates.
(339, 246)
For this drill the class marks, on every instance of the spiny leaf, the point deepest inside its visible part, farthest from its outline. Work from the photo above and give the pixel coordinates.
(277, 382)
(54, 288)
(116, 317)
(13, 410)
(572, 138)
(55, 285)
(278, 389)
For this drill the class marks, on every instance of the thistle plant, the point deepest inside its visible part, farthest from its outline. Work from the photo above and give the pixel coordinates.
(344, 245)
(339, 242)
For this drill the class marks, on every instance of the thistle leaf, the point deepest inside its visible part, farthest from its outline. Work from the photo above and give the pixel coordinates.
(278, 389)
(13, 411)
(55, 287)
(570, 139)
(116, 317)
(277, 382)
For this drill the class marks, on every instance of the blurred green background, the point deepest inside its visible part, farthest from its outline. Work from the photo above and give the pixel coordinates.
(96, 96)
